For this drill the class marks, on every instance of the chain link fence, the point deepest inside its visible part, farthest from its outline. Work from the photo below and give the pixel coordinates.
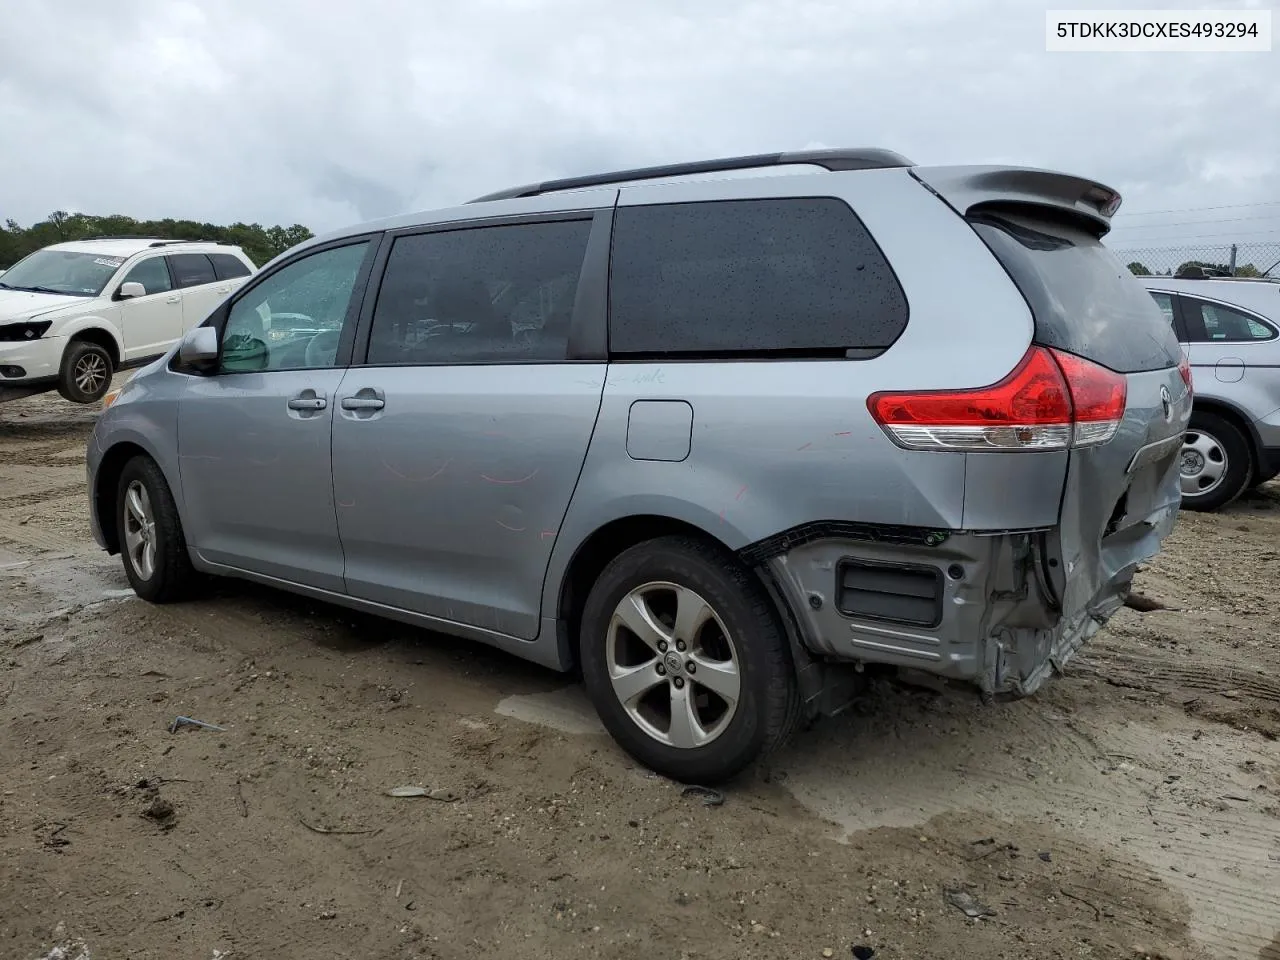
(1231, 259)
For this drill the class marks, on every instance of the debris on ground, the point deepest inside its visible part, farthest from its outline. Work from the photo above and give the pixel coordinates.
(180, 722)
(968, 903)
(710, 797)
(444, 796)
(160, 810)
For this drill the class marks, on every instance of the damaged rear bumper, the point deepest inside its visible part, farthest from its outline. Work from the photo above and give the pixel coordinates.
(998, 611)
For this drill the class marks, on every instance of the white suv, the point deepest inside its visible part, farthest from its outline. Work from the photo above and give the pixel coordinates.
(73, 313)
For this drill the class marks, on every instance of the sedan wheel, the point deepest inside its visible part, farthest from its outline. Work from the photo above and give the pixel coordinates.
(1216, 465)
(1204, 464)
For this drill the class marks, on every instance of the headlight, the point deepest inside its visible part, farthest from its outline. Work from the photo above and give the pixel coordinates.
(23, 330)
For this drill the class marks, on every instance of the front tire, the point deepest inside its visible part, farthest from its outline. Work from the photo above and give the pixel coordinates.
(85, 373)
(686, 662)
(1216, 464)
(152, 544)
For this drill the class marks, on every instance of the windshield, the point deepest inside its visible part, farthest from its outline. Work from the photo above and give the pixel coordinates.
(61, 271)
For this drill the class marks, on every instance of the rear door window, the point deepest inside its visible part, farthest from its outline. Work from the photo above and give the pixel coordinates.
(1216, 323)
(191, 269)
(227, 267)
(789, 277)
(1084, 300)
(499, 294)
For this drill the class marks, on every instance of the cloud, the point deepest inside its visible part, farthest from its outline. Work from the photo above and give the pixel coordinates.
(325, 114)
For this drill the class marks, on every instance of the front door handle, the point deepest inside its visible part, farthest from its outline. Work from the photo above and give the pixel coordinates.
(362, 403)
(174, 300)
(307, 403)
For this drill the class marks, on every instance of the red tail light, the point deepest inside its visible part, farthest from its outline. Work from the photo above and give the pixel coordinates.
(1052, 400)
(1184, 368)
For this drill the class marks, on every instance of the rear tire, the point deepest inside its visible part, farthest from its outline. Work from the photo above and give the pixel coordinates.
(690, 603)
(152, 545)
(1216, 464)
(85, 373)
(1258, 481)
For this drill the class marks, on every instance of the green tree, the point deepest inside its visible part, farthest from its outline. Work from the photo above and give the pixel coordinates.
(260, 243)
(1139, 269)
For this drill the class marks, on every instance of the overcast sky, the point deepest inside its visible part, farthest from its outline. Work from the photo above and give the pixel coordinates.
(324, 113)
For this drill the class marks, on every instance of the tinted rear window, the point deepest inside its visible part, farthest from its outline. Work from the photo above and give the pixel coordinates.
(228, 267)
(1084, 300)
(749, 277)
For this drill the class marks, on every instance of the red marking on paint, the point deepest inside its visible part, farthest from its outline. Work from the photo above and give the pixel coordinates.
(740, 493)
(403, 476)
(844, 433)
(509, 527)
(545, 534)
(722, 516)
(805, 447)
(495, 433)
(521, 480)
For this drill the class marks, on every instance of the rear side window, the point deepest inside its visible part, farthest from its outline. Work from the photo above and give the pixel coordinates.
(791, 277)
(1216, 323)
(1083, 299)
(191, 269)
(227, 267)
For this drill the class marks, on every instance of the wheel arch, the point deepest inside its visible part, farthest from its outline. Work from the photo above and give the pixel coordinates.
(1237, 418)
(105, 481)
(606, 542)
(103, 336)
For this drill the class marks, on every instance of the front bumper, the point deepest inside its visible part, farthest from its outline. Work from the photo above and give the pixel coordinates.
(39, 360)
(980, 609)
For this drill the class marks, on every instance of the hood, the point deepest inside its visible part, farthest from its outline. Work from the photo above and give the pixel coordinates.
(19, 305)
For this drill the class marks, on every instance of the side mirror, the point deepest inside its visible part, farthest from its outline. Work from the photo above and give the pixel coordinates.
(199, 347)
(131, 289)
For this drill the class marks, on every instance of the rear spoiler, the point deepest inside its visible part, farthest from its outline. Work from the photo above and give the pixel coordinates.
(968, 190)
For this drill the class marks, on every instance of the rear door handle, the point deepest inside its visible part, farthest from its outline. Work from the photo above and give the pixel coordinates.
(362, 403)
(307, 403)
(174, 300)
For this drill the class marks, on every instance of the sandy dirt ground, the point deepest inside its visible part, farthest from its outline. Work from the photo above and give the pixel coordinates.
(1132, 809)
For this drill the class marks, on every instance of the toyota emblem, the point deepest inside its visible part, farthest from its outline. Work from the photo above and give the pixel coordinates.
(1166, 402)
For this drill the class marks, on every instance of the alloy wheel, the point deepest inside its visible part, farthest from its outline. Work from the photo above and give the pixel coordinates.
(140, 530)
(673, 665)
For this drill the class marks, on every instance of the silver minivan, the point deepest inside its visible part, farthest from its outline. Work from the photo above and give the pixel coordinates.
(725, 440)
(1230, 331)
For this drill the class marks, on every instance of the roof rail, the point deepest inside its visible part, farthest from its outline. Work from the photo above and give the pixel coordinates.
(868, 158)
(165, 243)
(152, 241)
